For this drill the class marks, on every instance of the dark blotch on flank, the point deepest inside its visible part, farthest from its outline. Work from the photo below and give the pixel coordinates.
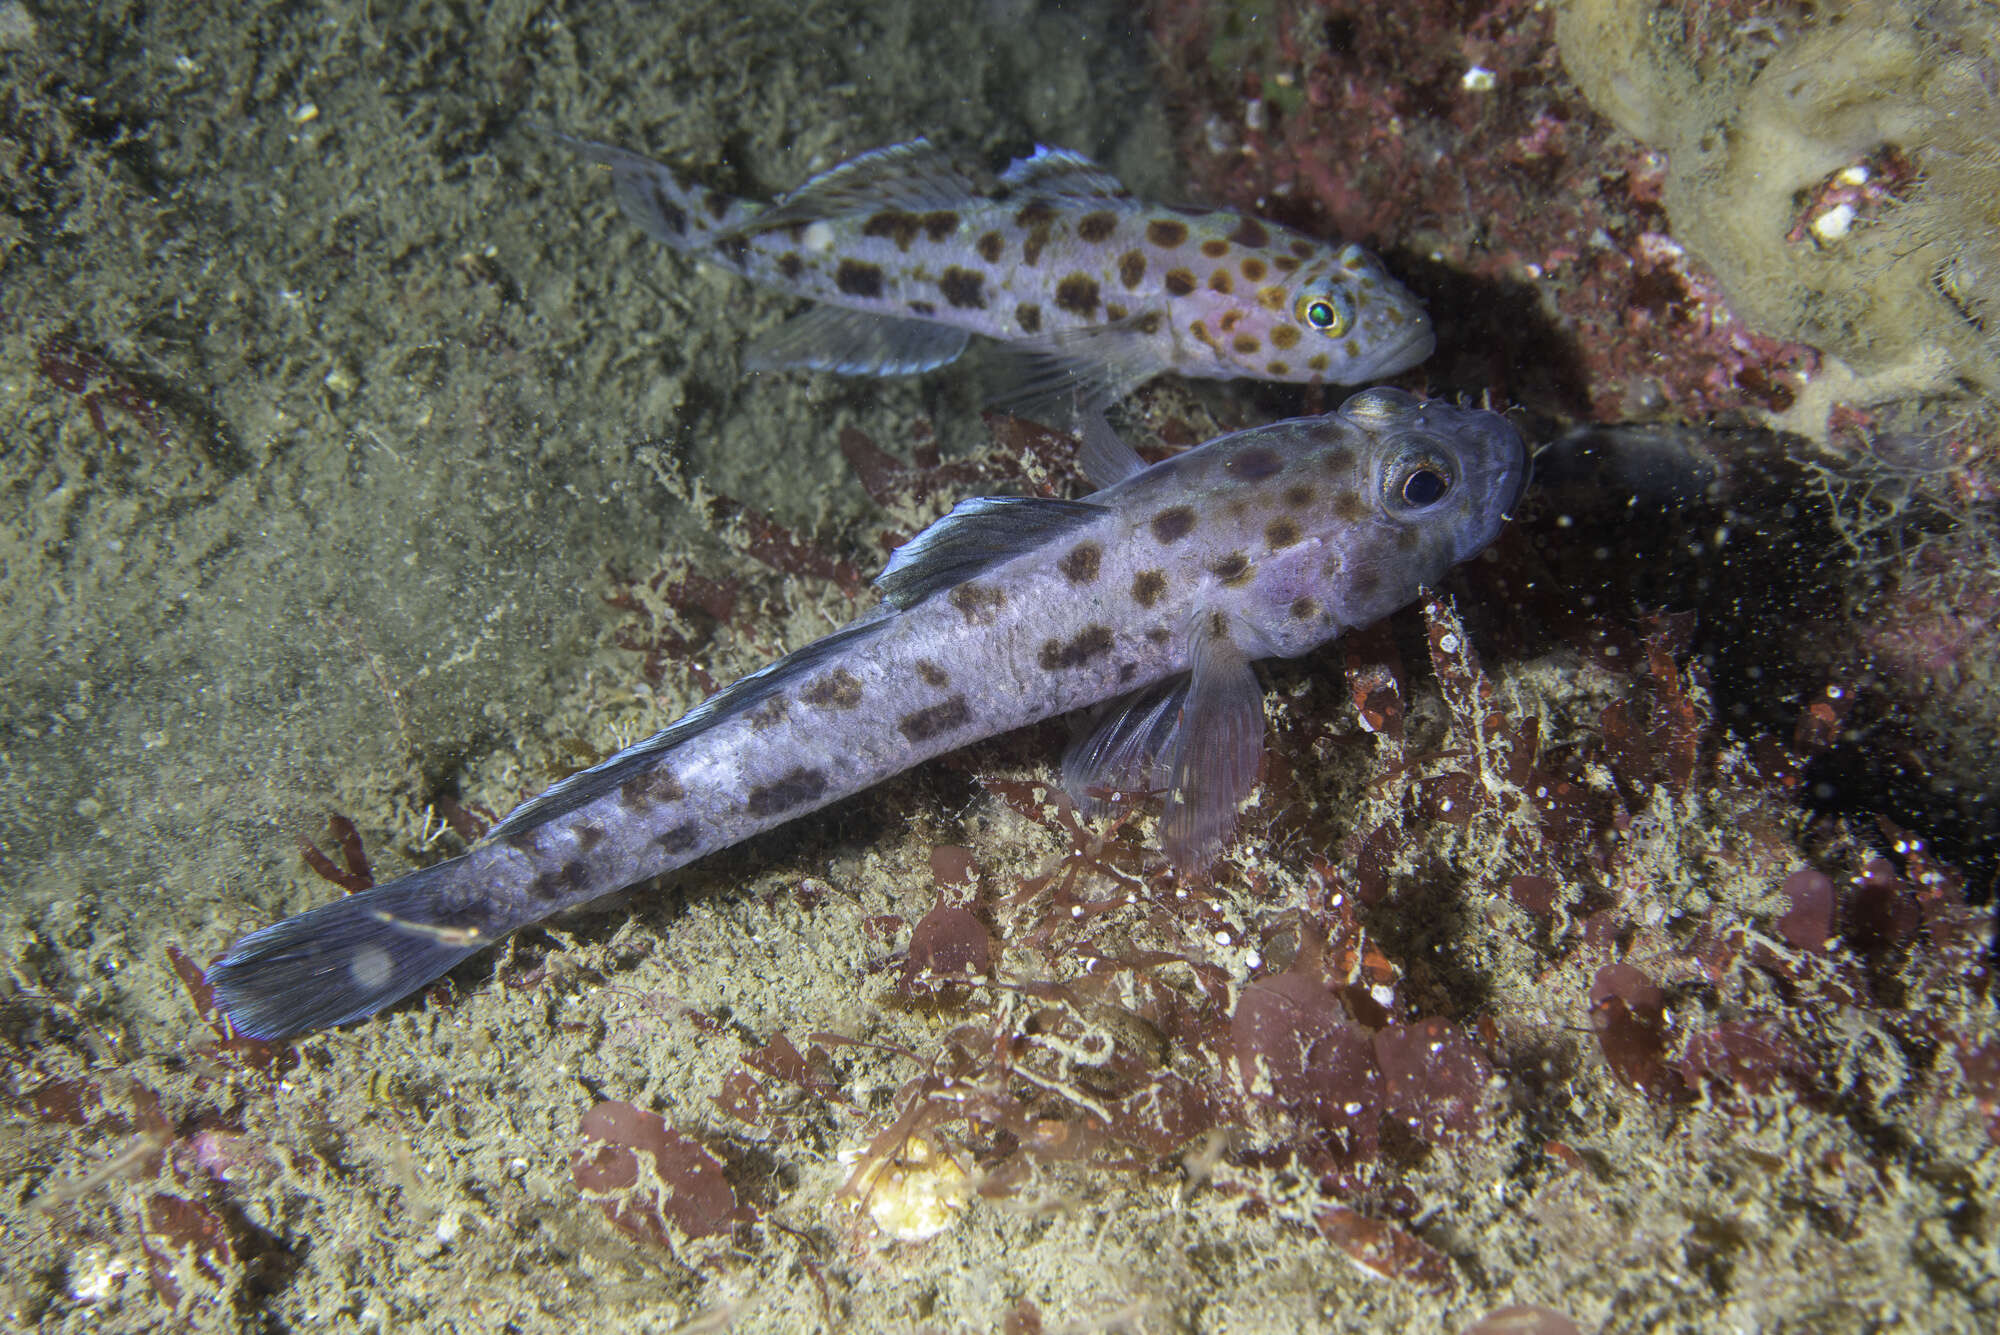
(940, 223)
(1250, 232)
(1131, 268)
(923, 308)
(1029, 317)
(561, 883)
(1281, 532)
(1253, 268)
(1173, 525)
(1148, 323)
(1036, 213)
(1220, 281)
(838, 689)
(1148, 587)
(992, 246)
(1232, 569)
(1305, 609)
(790, 265)
(680, 839)
(1166, 233)
(857, 279)
(795, 790)
(898, 226)
(1096, 226)
(650, 788)
(1088, 643)
(1077, 294)
(588, 837)
(1178, 282)
(769, 714)
(1254, 464)
(1215, 250)
(964, 288)
(932, 674)
(931, 720)
(1299, 494)
(1036, 241)
(1079, 565)
(1348, 507)
(980, 604)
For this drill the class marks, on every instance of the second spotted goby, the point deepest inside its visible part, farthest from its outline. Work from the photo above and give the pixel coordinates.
(909, 256)
(1150, 599)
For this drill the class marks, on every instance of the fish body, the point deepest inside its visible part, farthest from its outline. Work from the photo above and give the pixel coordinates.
(1150, 599)
(1092, 289)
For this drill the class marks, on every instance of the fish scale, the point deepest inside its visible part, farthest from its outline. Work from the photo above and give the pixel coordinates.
(1149, 599)
(1095, 290)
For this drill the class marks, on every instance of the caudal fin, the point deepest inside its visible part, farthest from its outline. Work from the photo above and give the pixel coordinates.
(346, 960)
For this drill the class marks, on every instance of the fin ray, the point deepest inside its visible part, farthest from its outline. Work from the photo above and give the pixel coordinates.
(912, 175)
(851, 342)
(977, 535)
(1063, 173)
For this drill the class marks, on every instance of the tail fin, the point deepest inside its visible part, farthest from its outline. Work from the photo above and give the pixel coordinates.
(346, 960)
(670, 207)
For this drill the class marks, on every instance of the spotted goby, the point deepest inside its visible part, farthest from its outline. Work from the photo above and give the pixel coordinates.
(1149, 599)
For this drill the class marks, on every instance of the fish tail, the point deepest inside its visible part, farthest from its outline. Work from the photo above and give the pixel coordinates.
(670, 207)
(347, 960)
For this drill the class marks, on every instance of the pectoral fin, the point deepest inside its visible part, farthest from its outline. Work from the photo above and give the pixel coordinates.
(1198, 736)
(846, 342)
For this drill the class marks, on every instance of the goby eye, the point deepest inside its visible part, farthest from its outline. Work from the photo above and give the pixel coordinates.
(1329, 312)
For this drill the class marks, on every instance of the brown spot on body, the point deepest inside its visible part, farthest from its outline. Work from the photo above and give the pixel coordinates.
(1113, 311)
(1029, 317)
(1304, 609)
(1166, 233)
(1214, 249)
(769, 714)
(1036, 213)
(1178, 282)
(794, 790)
(1278, 368)
(898, 226)
(838, 689)
(1299, 495)
(1230, 319)
(1096, 227)
(1303, 248)
(932, 674)
(1250, 232)
(857, 279)
(940, 223)
(1349, 508)
(1088, 643)
(1218, 626)
(1127, 671)
(1284, 263)
(1077, 294)
(1199, 331)
(1148, 587)
(680, 839)
(1148, 323)
(651, 788)
(1253, 268)
(1281, 533)
(1131, 269)
(1079, 565)
(1339, 459)
(1232, 569)
(979, 604)
(1284, 336)
(1220, 281)
(1033, 245)
(588, 837)
(964, 288)
(1246, 344)
(1271, 298)
(992, 246)
(562, 883)
(924, 308)
(1173, 525)
(790, 265)
(932, 720)
(1253, 463)
(1317, 362)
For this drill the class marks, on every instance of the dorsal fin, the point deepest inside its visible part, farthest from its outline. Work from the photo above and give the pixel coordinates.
(912, 175)
(977, 535)
(1063, 174)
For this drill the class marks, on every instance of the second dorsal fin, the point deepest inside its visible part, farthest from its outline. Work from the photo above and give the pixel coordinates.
(977, 535)
(912, 175)
(1062, 173)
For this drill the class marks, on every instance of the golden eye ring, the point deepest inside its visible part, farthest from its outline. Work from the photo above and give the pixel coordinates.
(1329, 313)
